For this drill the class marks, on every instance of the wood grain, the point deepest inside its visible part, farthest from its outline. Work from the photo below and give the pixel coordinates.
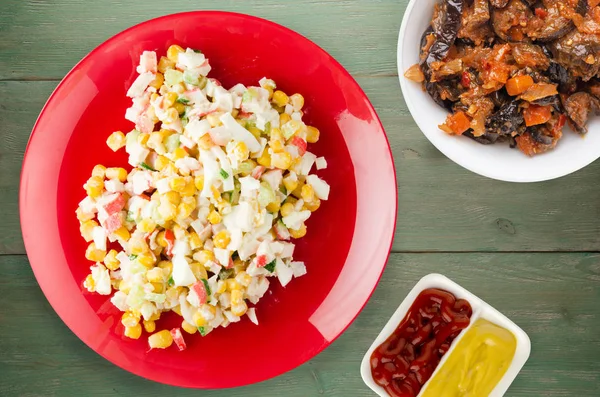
(553, 297)
(37, 43)
(442, 207)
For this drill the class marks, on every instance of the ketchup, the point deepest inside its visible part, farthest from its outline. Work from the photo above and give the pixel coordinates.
(406, 360)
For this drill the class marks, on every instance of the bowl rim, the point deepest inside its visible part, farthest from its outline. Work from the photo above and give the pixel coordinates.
(481, 310)
(489, 172)
(203, 14)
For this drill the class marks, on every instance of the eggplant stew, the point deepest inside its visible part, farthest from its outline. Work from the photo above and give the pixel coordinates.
(513, 70)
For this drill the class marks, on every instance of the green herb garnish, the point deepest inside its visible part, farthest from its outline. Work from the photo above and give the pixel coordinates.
(146, 166)
(206, 286)
(129, 217)
(197, 51)
(171, 282)
(223, 173)
(202, 331)
(183, 100)
(132, 257)
(270, 266)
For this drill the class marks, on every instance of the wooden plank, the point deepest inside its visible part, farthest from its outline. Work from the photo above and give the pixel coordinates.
(552, 296)
(37, 43)
(442, 207)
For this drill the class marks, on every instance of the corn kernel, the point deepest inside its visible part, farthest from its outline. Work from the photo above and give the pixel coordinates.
(199, 182)
(124, 286)
(146, 259)
(122, 233)
(297, 101)
(137, 246)
(312, 135)
(221, 286)
(142, 139)
(299, 233)
(129, 319)
(160, 239)
(158, 81)
(281, 160)
(173, 52)
(239, 310)
(155, 275)
(171, 115)
(214, 217)
(199, 319)
(291, 200)
(276, 145)
(116, 141)
(184, 210)
(189, 328)
(161, 162)
(89, 283)
(214, 119)
(83, 217)
(86, 228)
(94, 254)
(149, 326)
(265, 159)
(280, 98)
(160, 340)
(298, 191)
(165, 63)
(99, 170)
(198, 270)
(222, 239)
(133, 332)
(284, 118)
(110, 260)
(307, 193)
(205, 142)
(255, 131)
(180, 107)
(313, 205)
(155, 317)
(274, 206)
(173, 197)
(243, 278)
(189, 188)
(170, 99)
(240, 151)
(147, 225)
(167, 211)
(234, 286)
(204, 256)
(286, 209)
(94, 186)
(167, 268)
(179, 153)
(116, 173)
(195, 242)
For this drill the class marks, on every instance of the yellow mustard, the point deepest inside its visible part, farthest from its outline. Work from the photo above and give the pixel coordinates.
(477, 363)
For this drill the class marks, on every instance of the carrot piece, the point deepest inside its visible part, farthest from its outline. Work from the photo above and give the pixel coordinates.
(458, 122)
(518, 85)
(535, 115)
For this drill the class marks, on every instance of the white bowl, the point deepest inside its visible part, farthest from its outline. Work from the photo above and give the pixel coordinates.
(480, 310)
(498, 161)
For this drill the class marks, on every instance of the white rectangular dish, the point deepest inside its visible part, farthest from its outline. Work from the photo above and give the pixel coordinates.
(480, 310)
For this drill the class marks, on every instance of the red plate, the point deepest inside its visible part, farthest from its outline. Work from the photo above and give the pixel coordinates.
(348, 239)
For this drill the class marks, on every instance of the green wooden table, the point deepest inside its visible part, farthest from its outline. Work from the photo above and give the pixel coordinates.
(530, 250)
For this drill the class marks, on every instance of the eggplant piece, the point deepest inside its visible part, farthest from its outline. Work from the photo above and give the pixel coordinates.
(499, 3)
(553, 100)
(579, 53)
(475, 19)
(578, 107)
(446, 28)
(539, 135)
(531, 55)
(489, 138)
(506, 21)
(593, 87)
(507, 120)
(435, 91)
(500, 97)
(554, 26)
(561, 76)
